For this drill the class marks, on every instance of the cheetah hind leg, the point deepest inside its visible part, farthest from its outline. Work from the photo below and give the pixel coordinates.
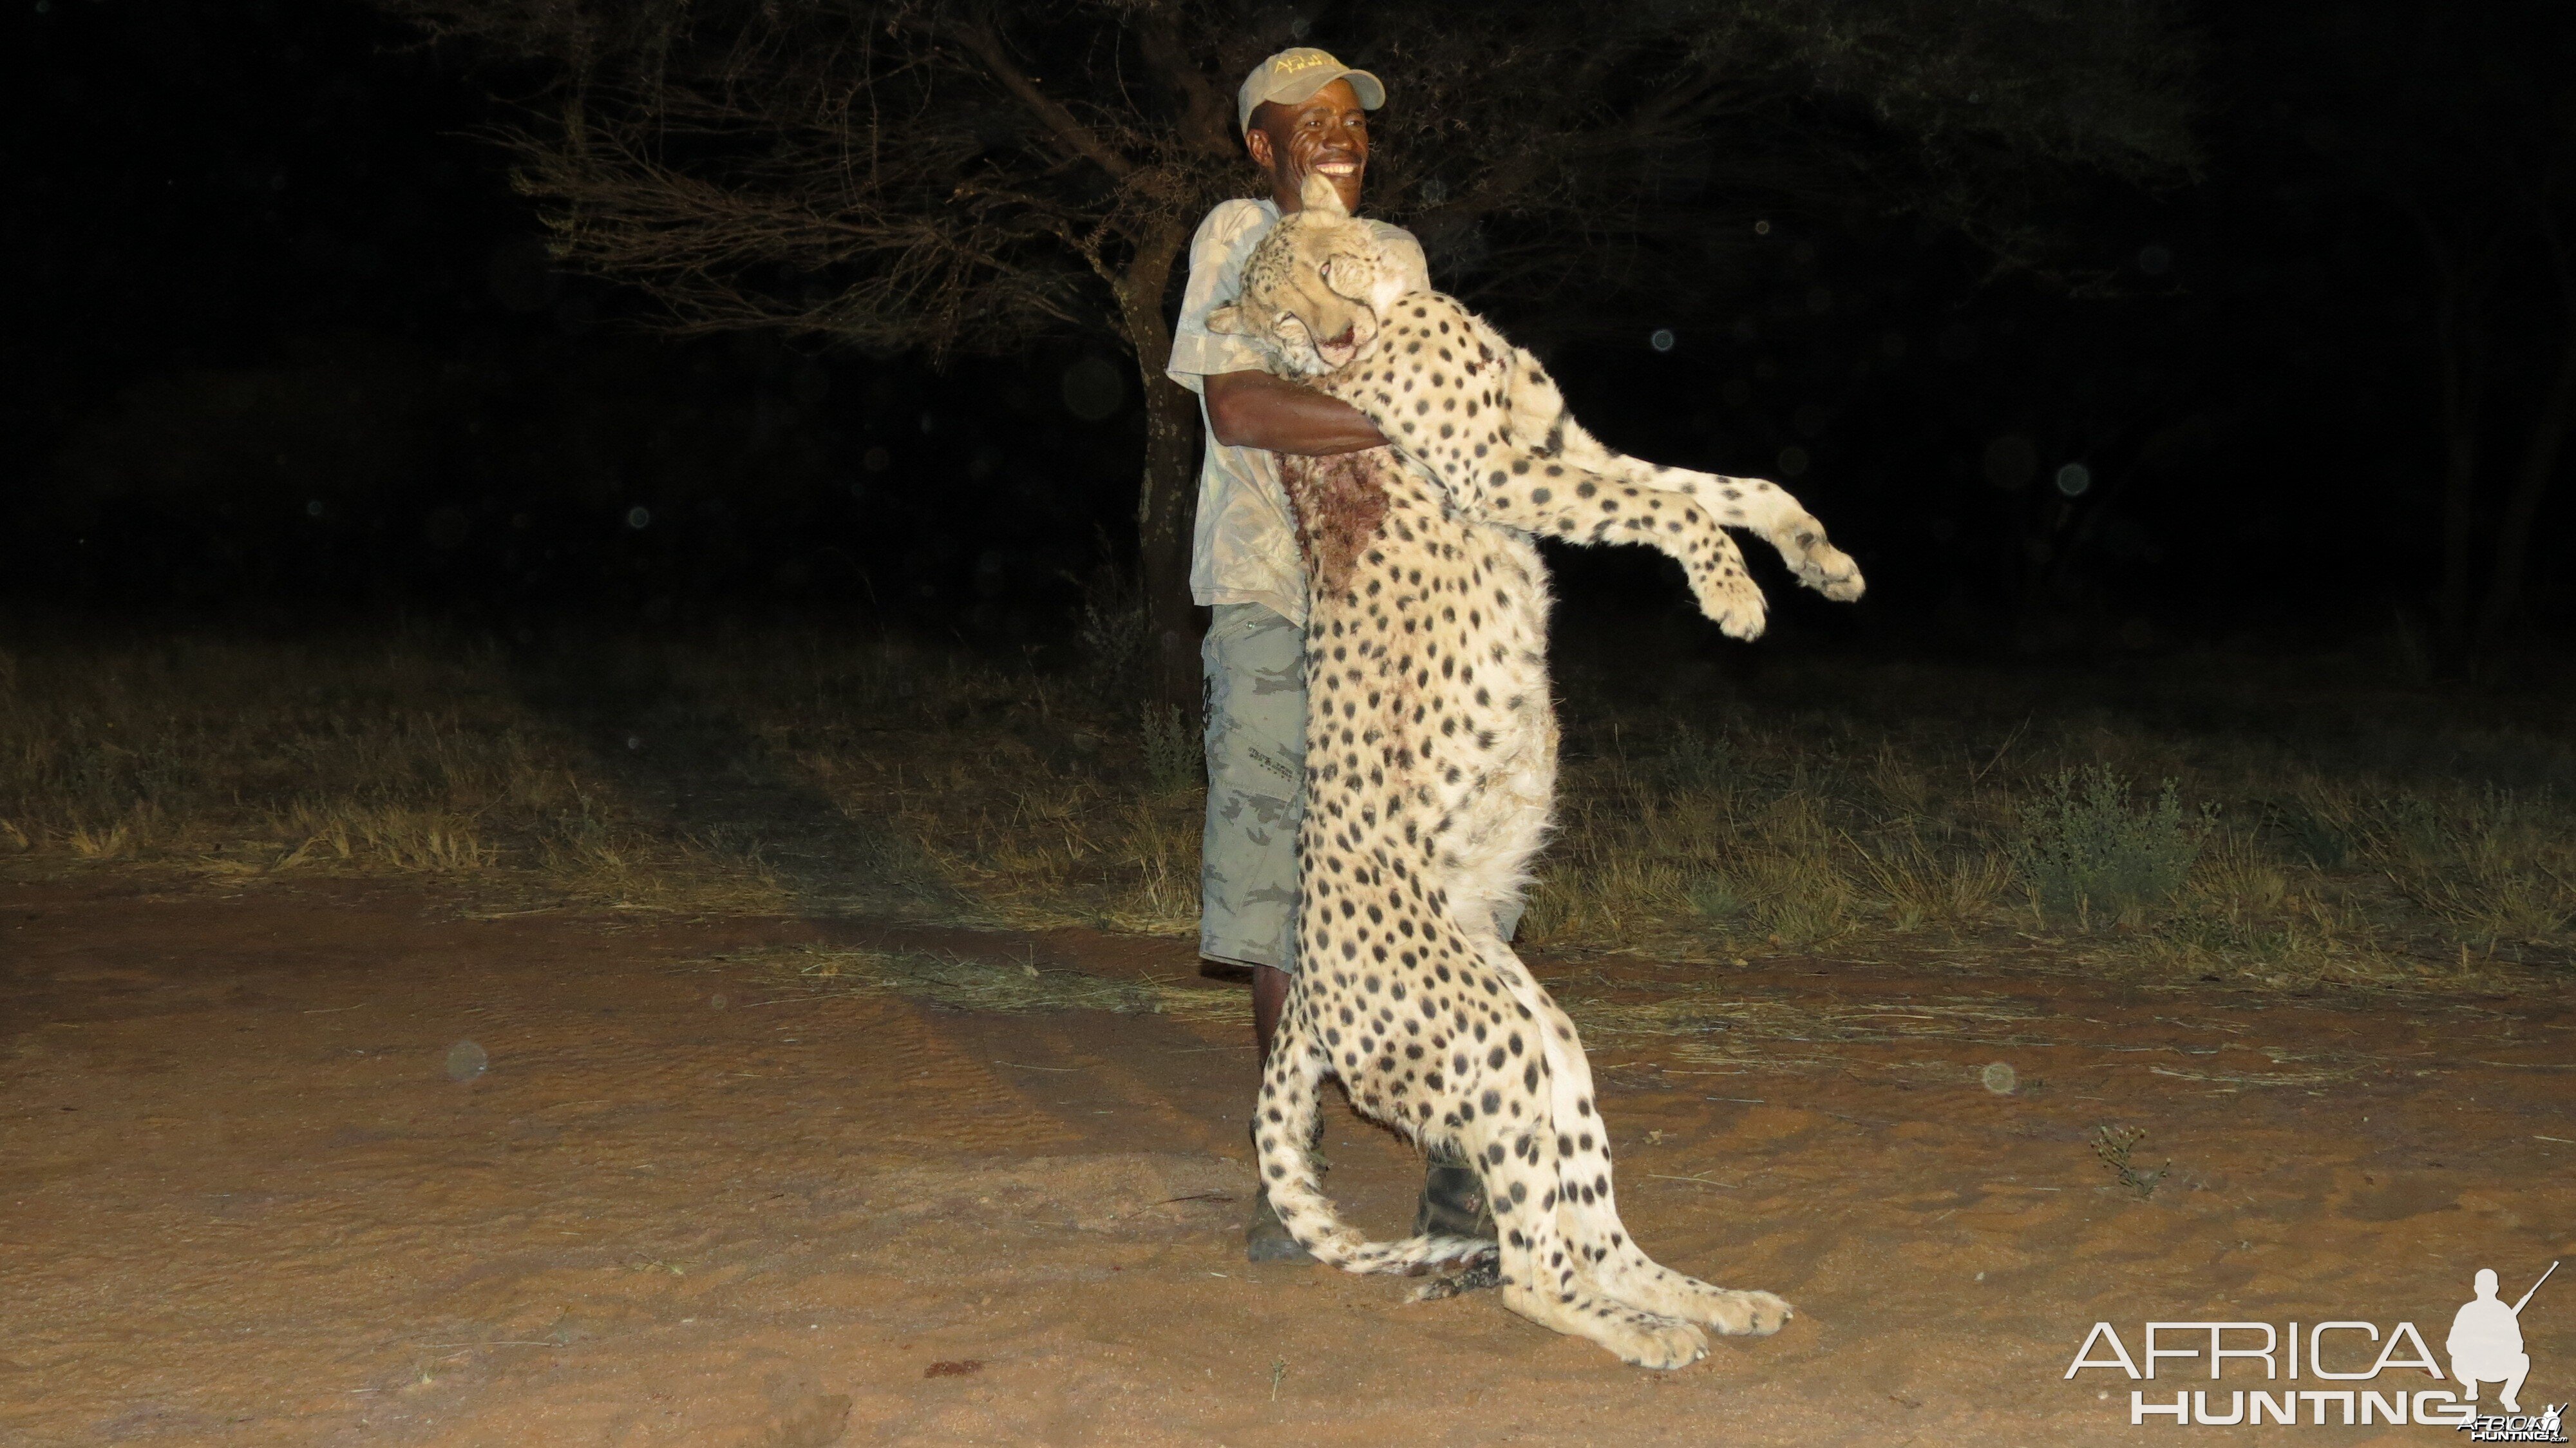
(1625, 1271)
(1286, 1116)
(1542, 1276)
(1589, 1212)
(1586, 1206)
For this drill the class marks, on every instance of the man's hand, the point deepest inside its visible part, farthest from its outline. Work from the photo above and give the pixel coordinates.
(1257, 410)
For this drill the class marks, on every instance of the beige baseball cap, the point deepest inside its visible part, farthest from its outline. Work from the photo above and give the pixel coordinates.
(1294, 75)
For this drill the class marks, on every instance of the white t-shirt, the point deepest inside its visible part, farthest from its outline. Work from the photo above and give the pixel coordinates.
(1244, 546)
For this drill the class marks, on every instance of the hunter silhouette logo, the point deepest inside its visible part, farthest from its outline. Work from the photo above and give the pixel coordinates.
(2362, 1374)
(2486, 1341)
(2486, 1347)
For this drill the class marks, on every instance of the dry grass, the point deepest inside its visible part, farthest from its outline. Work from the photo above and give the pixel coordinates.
(1843, 809)
(248, 760)
(2301, 840)
(1033, 796)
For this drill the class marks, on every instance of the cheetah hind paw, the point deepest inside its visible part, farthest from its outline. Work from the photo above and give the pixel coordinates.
(1746, 1314)
(1644, 1339)
(1733, 1312)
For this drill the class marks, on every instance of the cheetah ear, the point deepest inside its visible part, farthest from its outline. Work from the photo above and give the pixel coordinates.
(1229, 320)
(1349, 276)
(1322, 197)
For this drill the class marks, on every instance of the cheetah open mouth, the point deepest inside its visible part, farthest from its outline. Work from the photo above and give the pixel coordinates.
(1341, 349)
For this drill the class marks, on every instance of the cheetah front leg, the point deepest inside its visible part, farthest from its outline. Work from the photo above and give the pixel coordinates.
(1764, 508)
(1542, 425)
(1565, 500)
(1507, 484)
(1753, 504)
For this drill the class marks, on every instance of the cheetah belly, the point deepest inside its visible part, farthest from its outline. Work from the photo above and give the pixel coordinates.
(1431, 735)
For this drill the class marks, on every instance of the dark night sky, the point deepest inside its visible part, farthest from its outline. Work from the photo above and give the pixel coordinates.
(281, 332)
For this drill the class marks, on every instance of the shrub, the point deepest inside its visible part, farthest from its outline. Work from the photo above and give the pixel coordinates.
(1714, 897)
(2316, 832)
(2085, 849)
(2495, 866)
(1175, 759)
(1697, 761)
(1114, 638)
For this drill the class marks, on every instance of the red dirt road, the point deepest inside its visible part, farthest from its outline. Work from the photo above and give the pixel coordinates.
(243, 1202)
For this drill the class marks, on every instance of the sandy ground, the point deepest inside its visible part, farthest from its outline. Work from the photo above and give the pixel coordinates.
(243, 1201)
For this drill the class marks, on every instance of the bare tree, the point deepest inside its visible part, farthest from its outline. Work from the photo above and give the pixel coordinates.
(951, 175)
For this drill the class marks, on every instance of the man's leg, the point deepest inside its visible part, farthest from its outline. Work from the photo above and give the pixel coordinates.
(1256, 743)
(1254, 662)
(1269, 997)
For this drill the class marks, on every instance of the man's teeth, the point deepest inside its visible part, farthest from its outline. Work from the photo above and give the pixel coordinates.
(1339, 168)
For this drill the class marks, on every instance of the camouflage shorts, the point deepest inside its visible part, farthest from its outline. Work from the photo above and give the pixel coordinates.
(1255, 663)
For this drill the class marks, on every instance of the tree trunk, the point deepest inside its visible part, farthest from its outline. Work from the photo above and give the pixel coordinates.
(2530, 488)
(1169, 491)
(1163, 517)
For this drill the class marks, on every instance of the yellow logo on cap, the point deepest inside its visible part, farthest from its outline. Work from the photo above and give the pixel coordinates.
(1308, 61)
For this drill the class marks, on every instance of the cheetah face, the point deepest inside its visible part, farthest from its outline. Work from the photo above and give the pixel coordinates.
(1312, 290)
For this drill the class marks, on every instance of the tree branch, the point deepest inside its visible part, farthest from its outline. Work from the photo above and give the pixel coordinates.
(985, 44)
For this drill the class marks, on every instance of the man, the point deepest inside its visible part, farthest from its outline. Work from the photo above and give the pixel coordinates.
(1303, 113)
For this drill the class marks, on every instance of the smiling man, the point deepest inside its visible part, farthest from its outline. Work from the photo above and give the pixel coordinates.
(1303, 114)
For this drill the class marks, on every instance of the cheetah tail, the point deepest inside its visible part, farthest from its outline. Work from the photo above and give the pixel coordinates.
(1291, 1095)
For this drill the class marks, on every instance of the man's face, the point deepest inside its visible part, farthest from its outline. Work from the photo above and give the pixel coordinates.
(1326, 135)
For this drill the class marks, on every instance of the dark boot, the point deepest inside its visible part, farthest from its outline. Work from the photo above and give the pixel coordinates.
(1265, 1239)
(1453, 1200)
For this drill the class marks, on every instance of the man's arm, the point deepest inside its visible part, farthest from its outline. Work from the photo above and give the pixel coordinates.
(1257, 410)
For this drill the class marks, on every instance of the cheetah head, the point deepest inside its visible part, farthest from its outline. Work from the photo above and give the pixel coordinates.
(1314, 288)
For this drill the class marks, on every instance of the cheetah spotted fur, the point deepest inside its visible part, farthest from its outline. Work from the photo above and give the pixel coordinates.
(1431, 766)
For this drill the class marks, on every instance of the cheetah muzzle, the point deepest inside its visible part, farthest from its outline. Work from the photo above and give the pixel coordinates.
(1431, 769)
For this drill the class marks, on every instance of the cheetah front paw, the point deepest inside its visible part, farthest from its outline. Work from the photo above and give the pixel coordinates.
(1735, 602)
(1825, 568)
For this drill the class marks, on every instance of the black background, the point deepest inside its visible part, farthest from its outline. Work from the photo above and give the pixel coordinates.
(281, 337)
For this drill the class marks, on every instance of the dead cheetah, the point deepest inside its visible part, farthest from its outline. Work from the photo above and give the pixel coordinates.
(1431, 767)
